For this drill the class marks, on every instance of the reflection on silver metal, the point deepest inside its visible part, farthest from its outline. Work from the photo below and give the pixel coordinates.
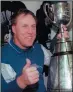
(62, 71)
(60, 11)
(65, 73)
(63, 57)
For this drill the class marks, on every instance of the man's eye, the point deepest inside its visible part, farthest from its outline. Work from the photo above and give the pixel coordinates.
(34, 27)
(24, 25)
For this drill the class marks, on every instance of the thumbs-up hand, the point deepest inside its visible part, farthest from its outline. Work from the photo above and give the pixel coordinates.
(28, 64)
(30, 75)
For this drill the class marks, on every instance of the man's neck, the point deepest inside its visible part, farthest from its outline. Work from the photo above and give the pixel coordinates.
(18, 44)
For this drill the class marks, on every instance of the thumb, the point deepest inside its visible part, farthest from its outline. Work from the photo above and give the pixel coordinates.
(28, 63)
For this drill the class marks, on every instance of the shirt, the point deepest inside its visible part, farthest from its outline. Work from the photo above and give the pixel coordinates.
(13, 59)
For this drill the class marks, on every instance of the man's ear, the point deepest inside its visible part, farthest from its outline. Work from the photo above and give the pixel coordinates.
(13, 29)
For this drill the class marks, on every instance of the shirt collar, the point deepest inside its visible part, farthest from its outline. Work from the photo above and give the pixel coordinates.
(18, 49)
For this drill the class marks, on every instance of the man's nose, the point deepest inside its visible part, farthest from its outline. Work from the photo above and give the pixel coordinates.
(29, 30)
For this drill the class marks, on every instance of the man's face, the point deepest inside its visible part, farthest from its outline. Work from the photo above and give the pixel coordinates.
(24, 30)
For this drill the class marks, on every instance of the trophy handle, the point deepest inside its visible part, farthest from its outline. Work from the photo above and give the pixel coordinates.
(48, 10)
(46, 5)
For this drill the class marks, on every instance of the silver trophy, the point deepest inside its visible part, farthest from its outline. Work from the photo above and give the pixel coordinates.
(60, 78)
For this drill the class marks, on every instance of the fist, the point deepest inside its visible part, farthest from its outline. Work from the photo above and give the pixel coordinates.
(30, 73)
(65, 34)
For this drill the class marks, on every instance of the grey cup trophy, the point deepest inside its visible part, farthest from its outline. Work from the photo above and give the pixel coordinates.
(60, 71)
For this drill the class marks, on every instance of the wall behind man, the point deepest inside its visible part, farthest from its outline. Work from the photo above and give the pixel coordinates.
(32, 5)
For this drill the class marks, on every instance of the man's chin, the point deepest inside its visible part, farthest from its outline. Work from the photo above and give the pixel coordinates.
(29, 45)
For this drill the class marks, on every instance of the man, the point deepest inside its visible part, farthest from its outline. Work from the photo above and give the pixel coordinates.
(19, 54)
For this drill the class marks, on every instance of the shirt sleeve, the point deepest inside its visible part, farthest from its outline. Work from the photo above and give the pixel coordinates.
(8, 79)
(9, 87)
(47, 55)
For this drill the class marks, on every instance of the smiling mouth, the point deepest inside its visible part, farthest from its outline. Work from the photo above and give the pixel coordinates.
(28, 37)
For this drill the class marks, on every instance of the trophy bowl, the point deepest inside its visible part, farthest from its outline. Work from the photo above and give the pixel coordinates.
(62, 14)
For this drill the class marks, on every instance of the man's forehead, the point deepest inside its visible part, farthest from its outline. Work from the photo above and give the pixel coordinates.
(25, 15)
(25, 19)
